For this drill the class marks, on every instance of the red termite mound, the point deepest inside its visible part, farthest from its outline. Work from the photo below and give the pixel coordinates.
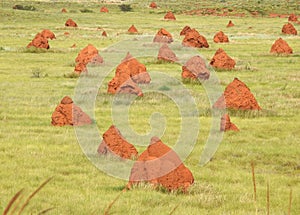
(280, 46)
(226, 124)
(114, 142)
(104, 9)
(230, 24)
(87, 55)
(221, 60)
(129, 73)
(185, 30)
(159, 165)
(166, 54)
(104, 34)
(289, 29)
(67, 113)
(293, 18)
(220, 37)
(195, 68)
(70, 23)
(41, 39)
(194, 39)
(64, 10)
(163, 36)
(153, 5)
(169, 16)
(132, 29)
(238, 97)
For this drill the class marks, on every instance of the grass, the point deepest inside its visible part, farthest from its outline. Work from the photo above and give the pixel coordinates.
(32, 150)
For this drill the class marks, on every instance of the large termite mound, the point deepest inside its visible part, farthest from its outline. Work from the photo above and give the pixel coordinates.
(226, 124)
(70, 23)
(289, 29)
(195, 68)
(67, 113)
(153, 5)
(163, 36)
(166, 54)
(293, 18)
(185, 30)
(104, 9)
(220, 37)
(194, 39)
(113, 142)
(41, 39)
(169, 16)
(280, 46)
(221, 60)
(159, 165)
(237, 96)
(129, 73)
(132, 30)
(88, 55)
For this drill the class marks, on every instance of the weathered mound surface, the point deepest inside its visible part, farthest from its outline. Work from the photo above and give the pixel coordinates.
(220, 37)
(64, 10)
(289, 29)
(160, 165)
(132, 29)
(230, 24)
(41, 39)
(104, 34)
(195, 68)
(67, 113)
(170, 16)
(129, 73)
(153, 5)
(166, 54)
(87, 55)
(221, 60)
(70, 23)
(104, 10)
(114, 142)
(280, 46)
(194, 39)
(226, 124)
(238, 97)
(185, 30)
(293, 18)
(163, 36)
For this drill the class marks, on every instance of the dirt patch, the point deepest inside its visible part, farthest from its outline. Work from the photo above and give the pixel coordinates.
(169, 16)
(280, 46)
(104, 34)
(153, 5)
(185, 30)
(293, 18)
(221, 60)
(220, 37)
(159, 165)
(237, 96)
(71, 23)
(289, 29)
(113, 142)
(87, 55)
(226, 124)
(41, 39)
(104, 10)
(230, 24)
(195, 68)
(64, 10)
(132, 30)
(67, 113)
(194, 39)
(166, 54)
(163, 36)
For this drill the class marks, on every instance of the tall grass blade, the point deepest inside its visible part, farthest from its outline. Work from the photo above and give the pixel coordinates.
(290, 202)
(106, 212)
(11, 202)
(174, 209)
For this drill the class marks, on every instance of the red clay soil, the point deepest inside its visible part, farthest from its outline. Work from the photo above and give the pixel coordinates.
(66, 33)
(222, 61)
(169, 16)
(185, 30)
(163, 36)
(195, 68)
(70, 23)
(153, 5)
(114, 142)
(238, 97)
(289, 29)
(132, 30)
(104, 10)
(159, 165)
(226, 124)
(166, 54)
(194, 39)
(87, 55)
(64, 10)
(280, 46)
(41, 39)
(104, 34)
(67, 113)
(293, 18)
(220, 37)
(230, 24)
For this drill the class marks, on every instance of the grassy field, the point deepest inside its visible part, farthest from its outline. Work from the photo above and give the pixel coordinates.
(31, 150)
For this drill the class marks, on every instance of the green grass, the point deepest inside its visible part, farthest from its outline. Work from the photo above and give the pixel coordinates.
(31, 150)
